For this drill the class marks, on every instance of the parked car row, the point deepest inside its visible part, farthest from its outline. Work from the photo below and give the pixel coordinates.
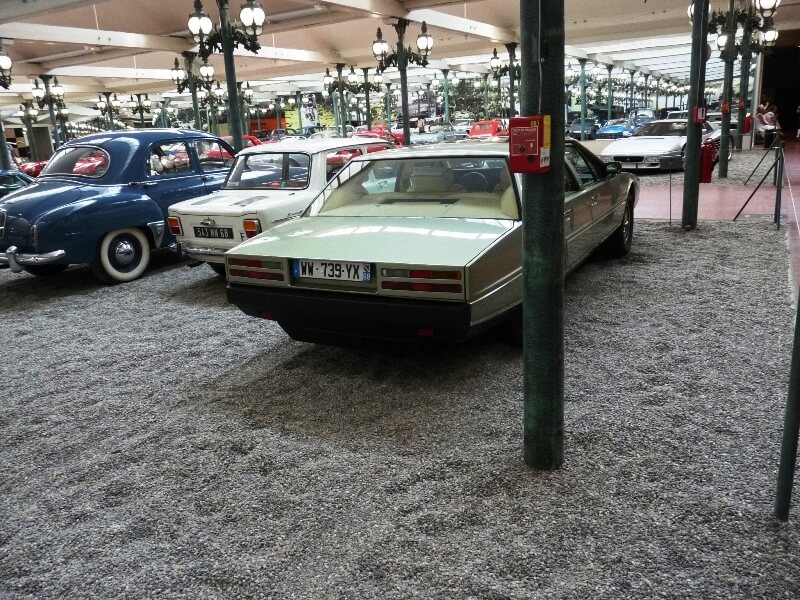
(333, 238)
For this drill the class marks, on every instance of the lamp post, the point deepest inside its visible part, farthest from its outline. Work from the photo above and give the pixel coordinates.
(62, 114)
(401, 59)
(193, 79)
(29, 114)
(108, 105)
(225, 38)
(140, 105)
(51, 97)
(610, 83)
(582, 62)
(510, 69)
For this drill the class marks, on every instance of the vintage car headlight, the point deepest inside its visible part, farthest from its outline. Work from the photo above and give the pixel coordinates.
(652, 158)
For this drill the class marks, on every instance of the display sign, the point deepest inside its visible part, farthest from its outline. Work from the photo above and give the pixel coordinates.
(529, 144)
(698, 114)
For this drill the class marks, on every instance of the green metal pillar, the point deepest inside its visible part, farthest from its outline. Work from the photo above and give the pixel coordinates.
(5, 154)
(402, 64)
(791, 428)
(632, 95)
(691, 176)
(486, 94)
(336, 116)
(298, 99)
(582, 62)
(226, 35)
(342, 103)
(728, 56)
(610, 106)
(658, 89)
(51, 109)
(389, 118)
(543, 238)
(367, 87)
(512, 71)
(744, 84)
(446, 94)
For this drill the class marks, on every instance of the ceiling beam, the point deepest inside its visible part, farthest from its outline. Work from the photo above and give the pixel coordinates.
(92, 37)
(442, 20)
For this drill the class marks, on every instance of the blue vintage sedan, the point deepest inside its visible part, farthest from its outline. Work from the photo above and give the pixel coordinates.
(103, 199)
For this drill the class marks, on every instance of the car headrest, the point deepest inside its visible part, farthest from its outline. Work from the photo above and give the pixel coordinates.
(431, 179)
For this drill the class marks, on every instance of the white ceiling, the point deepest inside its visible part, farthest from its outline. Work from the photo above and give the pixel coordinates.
(128, 46)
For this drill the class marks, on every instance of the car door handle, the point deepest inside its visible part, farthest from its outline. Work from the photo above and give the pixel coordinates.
(592, 200)
(142, 183)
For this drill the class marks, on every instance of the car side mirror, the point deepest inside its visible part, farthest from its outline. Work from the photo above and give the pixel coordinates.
(613, 168)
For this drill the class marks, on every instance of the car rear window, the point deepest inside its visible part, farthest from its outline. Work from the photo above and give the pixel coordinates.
(86, 161)
(663, 128)
(269, 170)
(474, 187)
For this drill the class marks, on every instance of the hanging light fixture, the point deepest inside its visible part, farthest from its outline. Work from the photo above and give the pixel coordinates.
(5, 68)
(424, 41)
(767, 8)
(176, 73)
(351, 76)
(206, 71)
(380, 48)
(199, 24)
(37, 91)
(328, 79)
(494, 62)
(377, 79)
(252, 17)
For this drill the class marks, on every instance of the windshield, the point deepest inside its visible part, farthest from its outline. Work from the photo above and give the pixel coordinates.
(474, 187)
(269, 170)
(663, 128)
(86, 161)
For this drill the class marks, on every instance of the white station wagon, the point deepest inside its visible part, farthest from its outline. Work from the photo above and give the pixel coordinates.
(266, 185)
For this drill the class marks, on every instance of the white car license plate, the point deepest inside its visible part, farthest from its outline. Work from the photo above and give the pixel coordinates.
(220, 233)
(332, 269)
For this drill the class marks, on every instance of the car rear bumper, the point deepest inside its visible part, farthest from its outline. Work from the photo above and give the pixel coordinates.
(16, 260)
(201, 253)
(336, 318)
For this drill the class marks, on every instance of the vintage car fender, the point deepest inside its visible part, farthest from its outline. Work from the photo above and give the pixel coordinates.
(78, 227)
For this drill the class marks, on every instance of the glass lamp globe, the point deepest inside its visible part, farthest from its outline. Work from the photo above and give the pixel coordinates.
(37, 91)
(57, 89)
(5, 61)
(424, 40)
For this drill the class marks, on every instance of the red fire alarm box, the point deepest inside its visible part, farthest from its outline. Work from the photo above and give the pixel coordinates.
(699, 114)
(725, 107)
(529, 144)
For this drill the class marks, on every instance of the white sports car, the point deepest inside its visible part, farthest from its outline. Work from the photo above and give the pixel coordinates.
(656, 145)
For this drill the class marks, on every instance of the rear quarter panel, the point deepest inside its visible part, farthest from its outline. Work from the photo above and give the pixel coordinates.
(494, 278)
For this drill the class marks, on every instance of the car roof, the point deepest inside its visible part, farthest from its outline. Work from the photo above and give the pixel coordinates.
(311, 146)
(144, 136)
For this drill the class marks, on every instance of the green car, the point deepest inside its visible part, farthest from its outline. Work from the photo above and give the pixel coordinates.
(419, 243)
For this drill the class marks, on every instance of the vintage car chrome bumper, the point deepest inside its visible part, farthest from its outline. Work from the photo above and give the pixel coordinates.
(17, 261)
(205, 253)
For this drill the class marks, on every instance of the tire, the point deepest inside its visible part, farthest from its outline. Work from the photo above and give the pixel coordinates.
(514, 327)
(45, 270)
(218, 268)
(123, 256)
(619, 244)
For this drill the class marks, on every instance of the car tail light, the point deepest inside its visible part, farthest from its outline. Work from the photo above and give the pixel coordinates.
(411, 286)
(252, 227)
(427, 274)
(175, 225)
(256, 274)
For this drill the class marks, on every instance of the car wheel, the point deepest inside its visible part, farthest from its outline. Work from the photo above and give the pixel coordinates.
(45, 270)
(218, 268)
(123, 256)
(619, 244)
(514, 327)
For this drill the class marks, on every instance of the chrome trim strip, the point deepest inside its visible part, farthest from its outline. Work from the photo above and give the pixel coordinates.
(203, 250)
(17, 261)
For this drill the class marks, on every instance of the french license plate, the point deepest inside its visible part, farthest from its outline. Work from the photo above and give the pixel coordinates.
(331, 269)
(219, 233)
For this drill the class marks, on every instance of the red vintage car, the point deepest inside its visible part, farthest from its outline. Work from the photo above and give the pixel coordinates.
(493, 130)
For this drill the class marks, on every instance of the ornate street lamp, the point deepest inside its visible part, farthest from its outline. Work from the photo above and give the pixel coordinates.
(141, 104)
(28, 118)
(510, 69)
(225, 38)
(108, 107)
(51, 97)
(744, 29)
(401, 58)
(188, 76)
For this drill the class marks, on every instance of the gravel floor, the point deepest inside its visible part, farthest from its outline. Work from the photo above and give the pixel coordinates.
(158, 443)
